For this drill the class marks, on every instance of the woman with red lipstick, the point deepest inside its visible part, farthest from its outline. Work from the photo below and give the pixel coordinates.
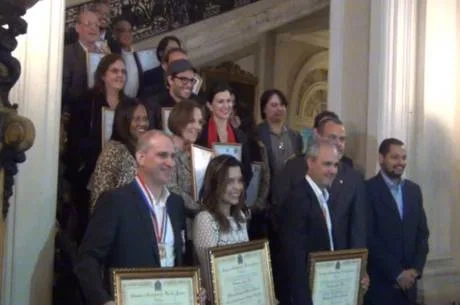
(218, 129)
(116, 165)
(185, 122)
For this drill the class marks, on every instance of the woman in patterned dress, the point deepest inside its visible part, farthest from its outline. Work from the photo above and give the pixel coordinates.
(222, 222)
(116, 165)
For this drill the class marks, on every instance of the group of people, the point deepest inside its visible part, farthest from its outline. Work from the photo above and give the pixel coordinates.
(134, 193)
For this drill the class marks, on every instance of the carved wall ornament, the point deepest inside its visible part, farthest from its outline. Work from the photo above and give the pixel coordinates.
(17, 133)
(309, 93)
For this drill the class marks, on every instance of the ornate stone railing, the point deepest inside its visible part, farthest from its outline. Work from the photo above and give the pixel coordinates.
(150, 18)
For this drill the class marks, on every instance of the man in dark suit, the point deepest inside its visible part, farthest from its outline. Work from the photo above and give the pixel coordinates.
(398, 232)
(123, 45)
(74, 74)
(155, 79)
(305, 224)
(138, 225)
(347, 194)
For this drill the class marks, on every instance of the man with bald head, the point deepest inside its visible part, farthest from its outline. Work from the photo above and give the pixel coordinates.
(74, 75)
(305, 221)
(140, 225)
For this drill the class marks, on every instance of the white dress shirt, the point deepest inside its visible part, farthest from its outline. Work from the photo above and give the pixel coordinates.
(323, 195)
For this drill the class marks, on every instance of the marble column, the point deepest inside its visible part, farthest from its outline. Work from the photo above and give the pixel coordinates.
(28, 277)
(349, 71)
(392, 56)
(436, 144)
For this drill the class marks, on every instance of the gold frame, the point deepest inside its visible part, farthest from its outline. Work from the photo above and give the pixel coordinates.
(220, 251)
(120, 274)
(164, 121)
(239, 145)
(325, 256)
(194, 182)
(104, 124)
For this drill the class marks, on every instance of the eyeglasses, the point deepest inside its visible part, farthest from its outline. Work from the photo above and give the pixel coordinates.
(89, 24)
(186, 80)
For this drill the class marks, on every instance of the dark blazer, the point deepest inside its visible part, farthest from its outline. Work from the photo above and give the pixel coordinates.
(264, 134)
(85, 136)
(303, 230)
(347, 203)
(245, 153)
(74, 74)
(394, 244)
(154, 82)
(120, 235)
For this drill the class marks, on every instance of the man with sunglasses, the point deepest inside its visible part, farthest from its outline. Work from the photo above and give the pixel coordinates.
(181, 79)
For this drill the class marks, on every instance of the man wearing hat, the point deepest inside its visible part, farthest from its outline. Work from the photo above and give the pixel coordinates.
(181, 78)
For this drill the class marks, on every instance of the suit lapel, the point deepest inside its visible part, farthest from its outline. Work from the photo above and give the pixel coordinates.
(265, 137)
(146, 217)
(80, 55)
(316, 210)
(387, 196)
(139, 71)
(336, 189)
(407, 207)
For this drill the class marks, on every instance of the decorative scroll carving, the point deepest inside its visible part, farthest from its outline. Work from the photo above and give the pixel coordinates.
(243, 82)
(17, 133)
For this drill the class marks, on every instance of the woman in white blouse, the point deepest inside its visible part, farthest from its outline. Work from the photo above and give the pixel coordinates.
(222, 222)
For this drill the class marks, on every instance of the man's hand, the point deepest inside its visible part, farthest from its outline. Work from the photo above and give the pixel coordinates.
(365, 282)
(406, 279)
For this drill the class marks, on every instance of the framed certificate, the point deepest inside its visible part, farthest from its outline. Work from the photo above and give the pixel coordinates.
(159, 286)
(93, 60)
(148, 59)
(254, 185)
(231, 149)
(201, 156)
(108, 116)
(335, 277)
(241, 274)
(165, 112)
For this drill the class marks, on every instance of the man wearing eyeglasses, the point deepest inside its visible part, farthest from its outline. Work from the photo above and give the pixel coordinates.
(74, 78)
(181, 79)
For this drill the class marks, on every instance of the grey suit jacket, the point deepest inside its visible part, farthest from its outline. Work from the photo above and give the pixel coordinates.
(264, 134)
(74, 75)
(347, 202)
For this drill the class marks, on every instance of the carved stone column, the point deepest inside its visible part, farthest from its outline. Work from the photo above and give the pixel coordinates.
(16, 132)
(27, 275)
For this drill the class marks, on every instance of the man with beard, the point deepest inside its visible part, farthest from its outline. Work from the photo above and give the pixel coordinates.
(140, 225)
(398, 232)
(181, 78)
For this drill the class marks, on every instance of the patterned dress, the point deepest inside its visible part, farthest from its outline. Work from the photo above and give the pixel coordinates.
(115, 167)
(207, 234)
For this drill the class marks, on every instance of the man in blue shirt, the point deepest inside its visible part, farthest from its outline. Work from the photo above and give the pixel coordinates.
(397, 230)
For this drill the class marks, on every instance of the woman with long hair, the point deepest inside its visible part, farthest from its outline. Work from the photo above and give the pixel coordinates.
(222, 222)
(116, 165)
(85, 130)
